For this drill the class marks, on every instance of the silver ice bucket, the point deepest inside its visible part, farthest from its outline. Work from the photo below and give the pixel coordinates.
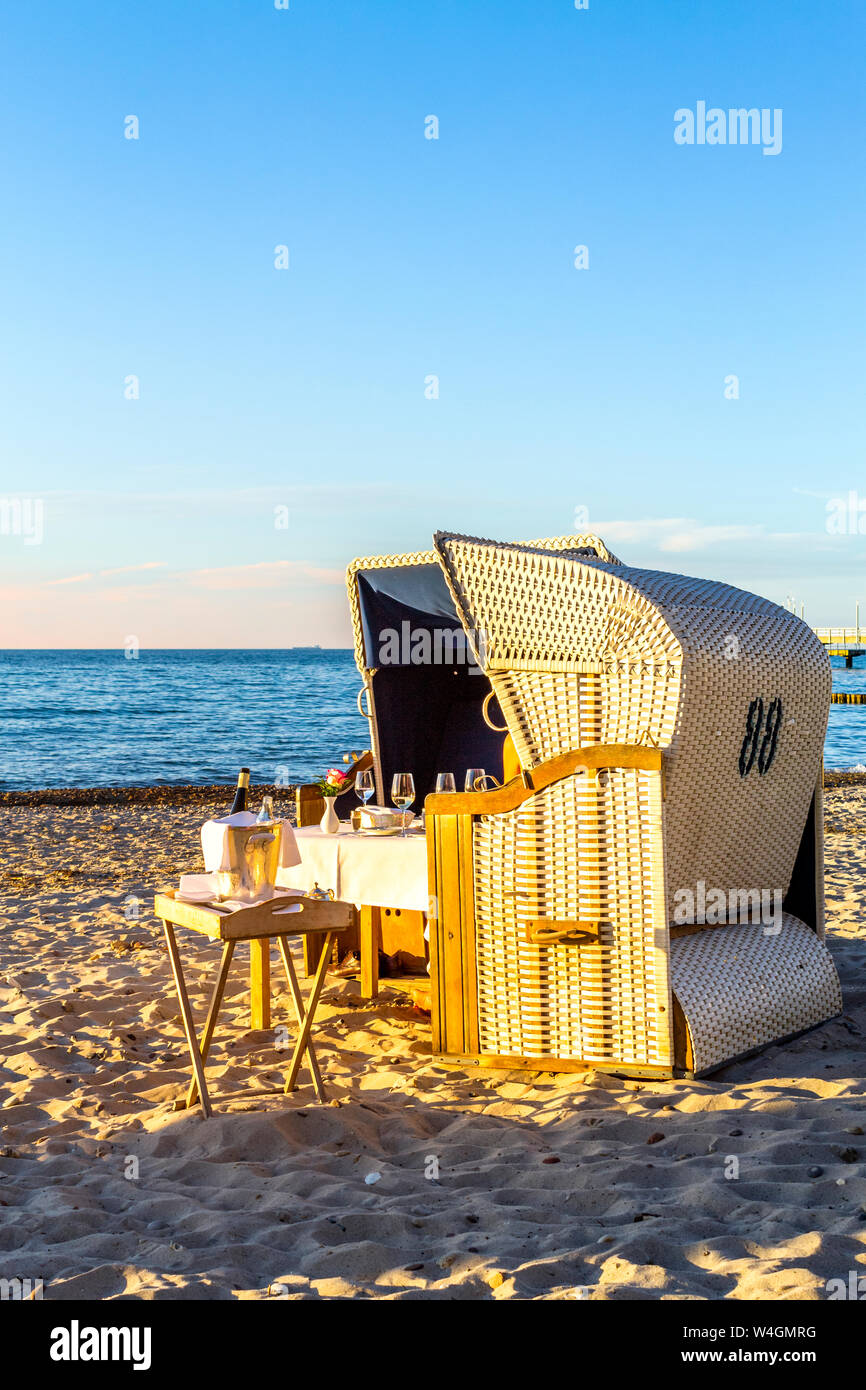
(253, 855)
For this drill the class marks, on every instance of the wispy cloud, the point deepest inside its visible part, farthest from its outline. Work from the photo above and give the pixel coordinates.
(264, 574)
(132, 569)
(208, 500)
(104, 574)
(682, 534)
(261, 574)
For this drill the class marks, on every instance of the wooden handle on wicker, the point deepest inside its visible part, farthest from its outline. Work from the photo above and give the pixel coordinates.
(515, 792)
(548, 931)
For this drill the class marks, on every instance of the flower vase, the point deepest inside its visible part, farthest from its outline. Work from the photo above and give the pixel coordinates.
(330, 822)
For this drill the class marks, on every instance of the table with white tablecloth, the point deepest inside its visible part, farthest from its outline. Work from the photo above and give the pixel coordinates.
(383, 875)
(382, 870)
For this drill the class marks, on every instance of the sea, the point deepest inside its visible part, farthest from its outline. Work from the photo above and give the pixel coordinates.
(102, 718)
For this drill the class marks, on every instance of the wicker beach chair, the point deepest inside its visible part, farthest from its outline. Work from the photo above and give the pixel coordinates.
(429, 711)
(647, 895)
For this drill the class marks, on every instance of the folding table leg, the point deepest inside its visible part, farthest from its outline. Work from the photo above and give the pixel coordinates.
(260, 983)
(292, 978)
(304, 1030)
(369, 948)
(213, 1011)
(186, 1015)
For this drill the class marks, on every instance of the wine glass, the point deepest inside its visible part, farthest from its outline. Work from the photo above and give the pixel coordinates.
(445, 782)
(365, 785)
(403, 793)
(474, 775)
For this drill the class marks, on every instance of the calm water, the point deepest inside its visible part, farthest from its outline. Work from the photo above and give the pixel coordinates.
(845, 745)
(87, 719)
(93, 718)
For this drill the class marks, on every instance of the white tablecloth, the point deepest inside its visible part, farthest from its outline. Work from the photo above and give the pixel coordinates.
(378, 871)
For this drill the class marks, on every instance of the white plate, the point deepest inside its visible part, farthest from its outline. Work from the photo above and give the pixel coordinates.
(387, 830)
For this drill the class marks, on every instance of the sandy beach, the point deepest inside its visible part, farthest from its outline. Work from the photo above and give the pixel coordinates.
(415, 1181)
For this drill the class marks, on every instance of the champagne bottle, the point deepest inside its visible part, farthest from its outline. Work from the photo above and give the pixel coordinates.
(240, 801)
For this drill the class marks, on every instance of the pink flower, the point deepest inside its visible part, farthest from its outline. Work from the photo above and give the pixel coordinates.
(335, 776)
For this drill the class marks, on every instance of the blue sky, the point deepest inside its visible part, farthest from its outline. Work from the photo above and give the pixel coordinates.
(559, 388)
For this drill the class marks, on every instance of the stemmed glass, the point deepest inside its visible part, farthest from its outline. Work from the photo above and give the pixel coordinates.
(403, 793)
(474, 775)
(365, 785)
(445, 782)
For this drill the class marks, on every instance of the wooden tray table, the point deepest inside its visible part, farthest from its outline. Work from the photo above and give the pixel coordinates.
(280, 918)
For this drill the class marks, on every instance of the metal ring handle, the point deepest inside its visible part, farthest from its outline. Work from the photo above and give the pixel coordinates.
(486, 717)
(365, 714)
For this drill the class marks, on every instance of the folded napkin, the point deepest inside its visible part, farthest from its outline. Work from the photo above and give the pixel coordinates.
(198, 885)
(214, 842)
(380, 817)
(204, 888)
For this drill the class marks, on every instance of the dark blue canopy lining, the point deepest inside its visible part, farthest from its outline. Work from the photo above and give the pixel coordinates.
(416, 594)
(427, 705)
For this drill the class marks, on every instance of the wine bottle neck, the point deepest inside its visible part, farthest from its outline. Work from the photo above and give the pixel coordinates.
(240, 801)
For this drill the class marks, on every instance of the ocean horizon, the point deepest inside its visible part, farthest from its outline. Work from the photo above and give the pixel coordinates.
(91, 717)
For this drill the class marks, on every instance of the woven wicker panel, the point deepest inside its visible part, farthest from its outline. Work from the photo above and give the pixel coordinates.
(586, 543)
(741, 988)
(623, 703)
(730, 830)
(580, 850)
(541, 611)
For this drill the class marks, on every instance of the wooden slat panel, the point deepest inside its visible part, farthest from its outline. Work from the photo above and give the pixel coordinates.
(467, 924)
(450, 912)
(434, 917)
(454, 993)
